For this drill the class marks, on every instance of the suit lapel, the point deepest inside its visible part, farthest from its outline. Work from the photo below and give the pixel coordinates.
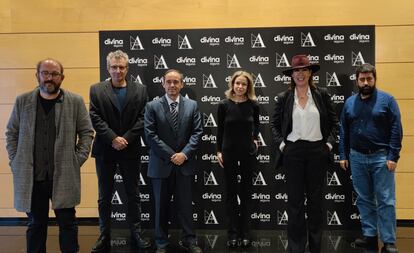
(129, 94)
(110, 93)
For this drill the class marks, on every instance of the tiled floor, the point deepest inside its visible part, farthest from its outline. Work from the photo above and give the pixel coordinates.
(12, 240)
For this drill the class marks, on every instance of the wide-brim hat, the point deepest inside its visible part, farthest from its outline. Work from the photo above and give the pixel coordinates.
(300, 61)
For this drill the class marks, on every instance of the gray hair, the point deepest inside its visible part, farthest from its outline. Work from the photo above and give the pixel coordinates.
(117, 55)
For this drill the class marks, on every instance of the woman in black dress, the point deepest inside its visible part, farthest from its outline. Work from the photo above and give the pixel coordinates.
(238, 129)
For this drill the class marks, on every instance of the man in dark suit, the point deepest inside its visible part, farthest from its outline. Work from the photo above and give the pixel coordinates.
(117, 113)
(173, 129)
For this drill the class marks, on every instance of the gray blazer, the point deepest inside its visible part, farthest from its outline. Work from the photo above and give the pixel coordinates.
(163, 141)
(74, 136)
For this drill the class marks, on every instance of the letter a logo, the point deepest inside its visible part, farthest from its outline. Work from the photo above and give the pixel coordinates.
(258, 81)
(159, 62)
(332, 80)
(332, 179)
(257, 41)
(307, 40)
(282, 218)
(135, 43)
(258, 179)
(210, 218)
(136, 79)
(210, 179)
(116, 200)
(183, 42)
(233, 62)
(282, 61)
(357, 59)
(333, 219)
(209, 120)
(208, 82)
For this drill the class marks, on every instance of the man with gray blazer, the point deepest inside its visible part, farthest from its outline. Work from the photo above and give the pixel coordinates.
(48, 138)
(173, 129)
(117, 114)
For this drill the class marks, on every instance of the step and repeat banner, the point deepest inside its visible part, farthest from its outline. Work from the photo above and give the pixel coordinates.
(208, 58)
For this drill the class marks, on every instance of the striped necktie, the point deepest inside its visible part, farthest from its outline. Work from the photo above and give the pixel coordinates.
(174, 114)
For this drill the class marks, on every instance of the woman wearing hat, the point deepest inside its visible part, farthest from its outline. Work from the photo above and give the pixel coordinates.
(304, 127)
(237, 135)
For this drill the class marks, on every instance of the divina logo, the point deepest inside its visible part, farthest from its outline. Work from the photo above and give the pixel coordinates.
(118, 216)
(282, 79)
(135, 43)
(352, 77)
(361, 38)
(285, 39)
(208, 82)
(209, 157)
(158, 79)
(135, 79)
(313, 59)
(281, 196)
(264, 119)
(145, 197)
(338, 99)
(212, 41)
(141, 62)
(334, 58)
(263, 158)
(263, 100)
(258, 81)
(118, 178)
(209, 138)
(237, 41)
(214, 197)
(280, 176)
(159, 62)
(338, 198)
(233, 62)
(263, 217)
(261, 60)
(335, 38)
(210, 99)
(114, 42)
(256, 41)
(212, 61)
(209, 178)
(183, 42)
(263, 198)
(144, 158)
(145, 216)
(189, 81)
(164, 42)
(357, 59)
(188, 61)
(210, 218)
(355, 216)
(209, 120)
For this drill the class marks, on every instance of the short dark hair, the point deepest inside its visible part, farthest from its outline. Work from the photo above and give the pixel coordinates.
(176, 71)
(49, 59)
(366, 68)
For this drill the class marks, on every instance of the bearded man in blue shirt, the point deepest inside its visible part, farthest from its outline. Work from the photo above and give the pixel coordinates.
(370, 144)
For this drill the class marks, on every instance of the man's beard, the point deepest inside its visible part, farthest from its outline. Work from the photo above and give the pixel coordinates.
(49, 90)
(366, 90)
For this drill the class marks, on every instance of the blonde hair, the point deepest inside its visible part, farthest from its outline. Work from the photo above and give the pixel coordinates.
(250, 87)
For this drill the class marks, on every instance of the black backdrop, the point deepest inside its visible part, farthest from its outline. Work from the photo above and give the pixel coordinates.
(208, 58)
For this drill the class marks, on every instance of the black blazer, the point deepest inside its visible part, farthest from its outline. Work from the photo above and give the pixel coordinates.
(282, 118)
(110, 121)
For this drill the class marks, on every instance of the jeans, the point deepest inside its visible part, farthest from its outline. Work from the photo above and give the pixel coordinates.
(375, 188)
(36, 233)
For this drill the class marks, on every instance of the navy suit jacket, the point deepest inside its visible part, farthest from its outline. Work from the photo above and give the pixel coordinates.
(163, 141)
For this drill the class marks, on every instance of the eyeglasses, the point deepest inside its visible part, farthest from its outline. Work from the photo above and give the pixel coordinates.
(46, 74)
(116, 67)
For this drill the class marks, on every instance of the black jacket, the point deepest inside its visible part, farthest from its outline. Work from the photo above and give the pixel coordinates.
(109, 121)
(282, 118)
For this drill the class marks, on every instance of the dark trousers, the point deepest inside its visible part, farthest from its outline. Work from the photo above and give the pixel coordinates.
(129, 170)
(36, 233)
(180, 186)
(305, 163)
(238, 215)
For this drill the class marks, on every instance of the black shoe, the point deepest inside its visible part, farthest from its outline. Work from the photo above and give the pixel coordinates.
(368, 242)
(232, 243)
(139, 242)
(103, 243)
(192, 248)
(389, 248)
(245, 242)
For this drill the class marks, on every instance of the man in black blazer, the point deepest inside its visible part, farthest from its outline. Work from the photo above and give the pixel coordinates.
(173, 129)
(117, 114)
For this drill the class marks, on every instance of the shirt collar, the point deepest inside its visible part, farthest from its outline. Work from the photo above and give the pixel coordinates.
(169, 100)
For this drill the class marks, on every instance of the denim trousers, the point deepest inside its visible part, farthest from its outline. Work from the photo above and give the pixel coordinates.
(375, 188)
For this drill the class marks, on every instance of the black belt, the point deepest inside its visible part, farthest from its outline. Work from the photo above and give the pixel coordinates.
(368, 151)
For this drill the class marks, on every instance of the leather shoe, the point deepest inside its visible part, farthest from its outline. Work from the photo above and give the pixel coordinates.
(192, 248)
(139, 242)
(368, 242)
(103, 243)
(389, 248)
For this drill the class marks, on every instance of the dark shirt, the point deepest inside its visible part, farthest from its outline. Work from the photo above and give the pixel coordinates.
(371, 124)
(120, 93)
(45, 136)
(238, 126)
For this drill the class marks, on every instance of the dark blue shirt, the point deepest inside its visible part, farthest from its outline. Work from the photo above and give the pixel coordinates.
(373, 123)
(120, 93)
